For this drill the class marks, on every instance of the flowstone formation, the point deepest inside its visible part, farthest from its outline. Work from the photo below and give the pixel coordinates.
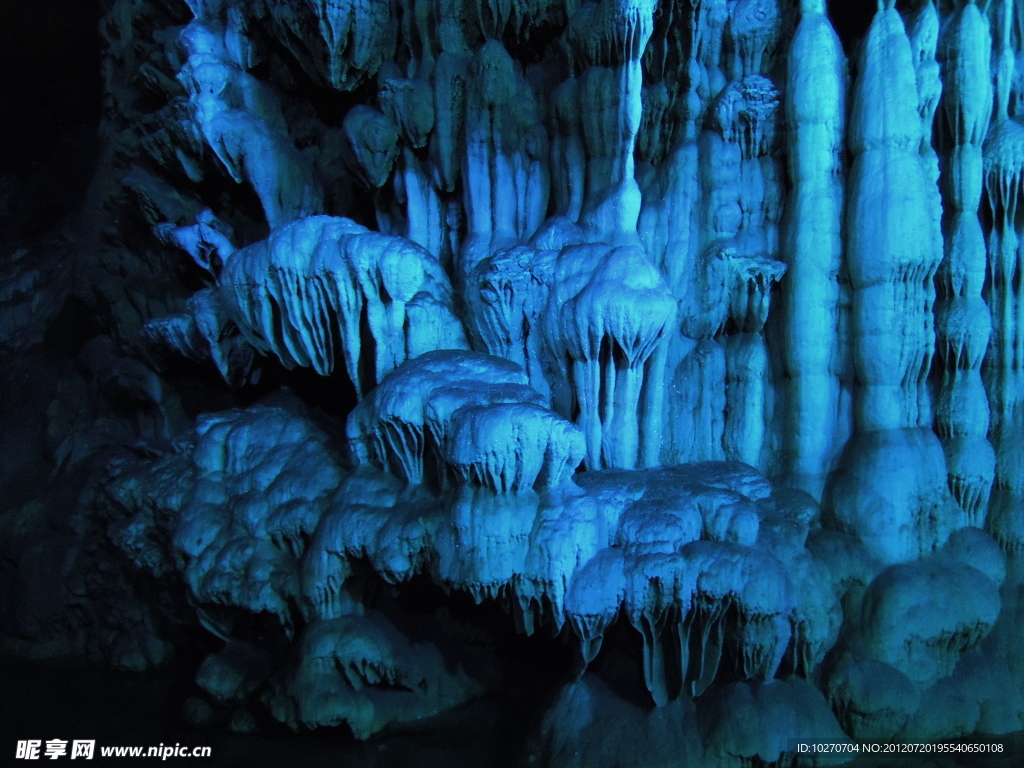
(665, 326)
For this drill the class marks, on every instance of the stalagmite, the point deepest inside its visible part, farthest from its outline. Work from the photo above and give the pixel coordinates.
(589, 724)
(246, 507)
(954, 606)
(745, 724)
(872, 699)
(891, 493)
(362, 671)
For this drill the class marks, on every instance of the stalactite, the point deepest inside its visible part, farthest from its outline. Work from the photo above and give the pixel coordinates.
(813, 248)
(606, 331)
(505, 163)
(1002, 372)
(890, 263)
(963, 322)
(608, 39)
(244, 131)
(892, 257)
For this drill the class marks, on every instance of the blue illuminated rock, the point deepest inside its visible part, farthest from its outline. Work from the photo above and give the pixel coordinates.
(659, 327)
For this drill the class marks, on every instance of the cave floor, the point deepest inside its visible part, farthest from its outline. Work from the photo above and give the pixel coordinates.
(72, 700)
(65, 700)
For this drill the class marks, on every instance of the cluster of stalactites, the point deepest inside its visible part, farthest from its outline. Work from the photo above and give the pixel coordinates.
(342, 42)
(690, 612)
(510, 447)
(464, 138)
(464, 417)
(585, 323)
(744, 113)
(240, 118)
(610, 33)
(613, 310)
(504, 165)
(317, 290)
(205, 333)
(730, 41)
(676, 551)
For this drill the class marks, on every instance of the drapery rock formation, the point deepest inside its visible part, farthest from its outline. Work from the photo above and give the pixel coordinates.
(665, 327)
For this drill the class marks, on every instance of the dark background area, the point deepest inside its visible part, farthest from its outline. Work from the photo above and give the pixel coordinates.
(49, 76)
(851, 19)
